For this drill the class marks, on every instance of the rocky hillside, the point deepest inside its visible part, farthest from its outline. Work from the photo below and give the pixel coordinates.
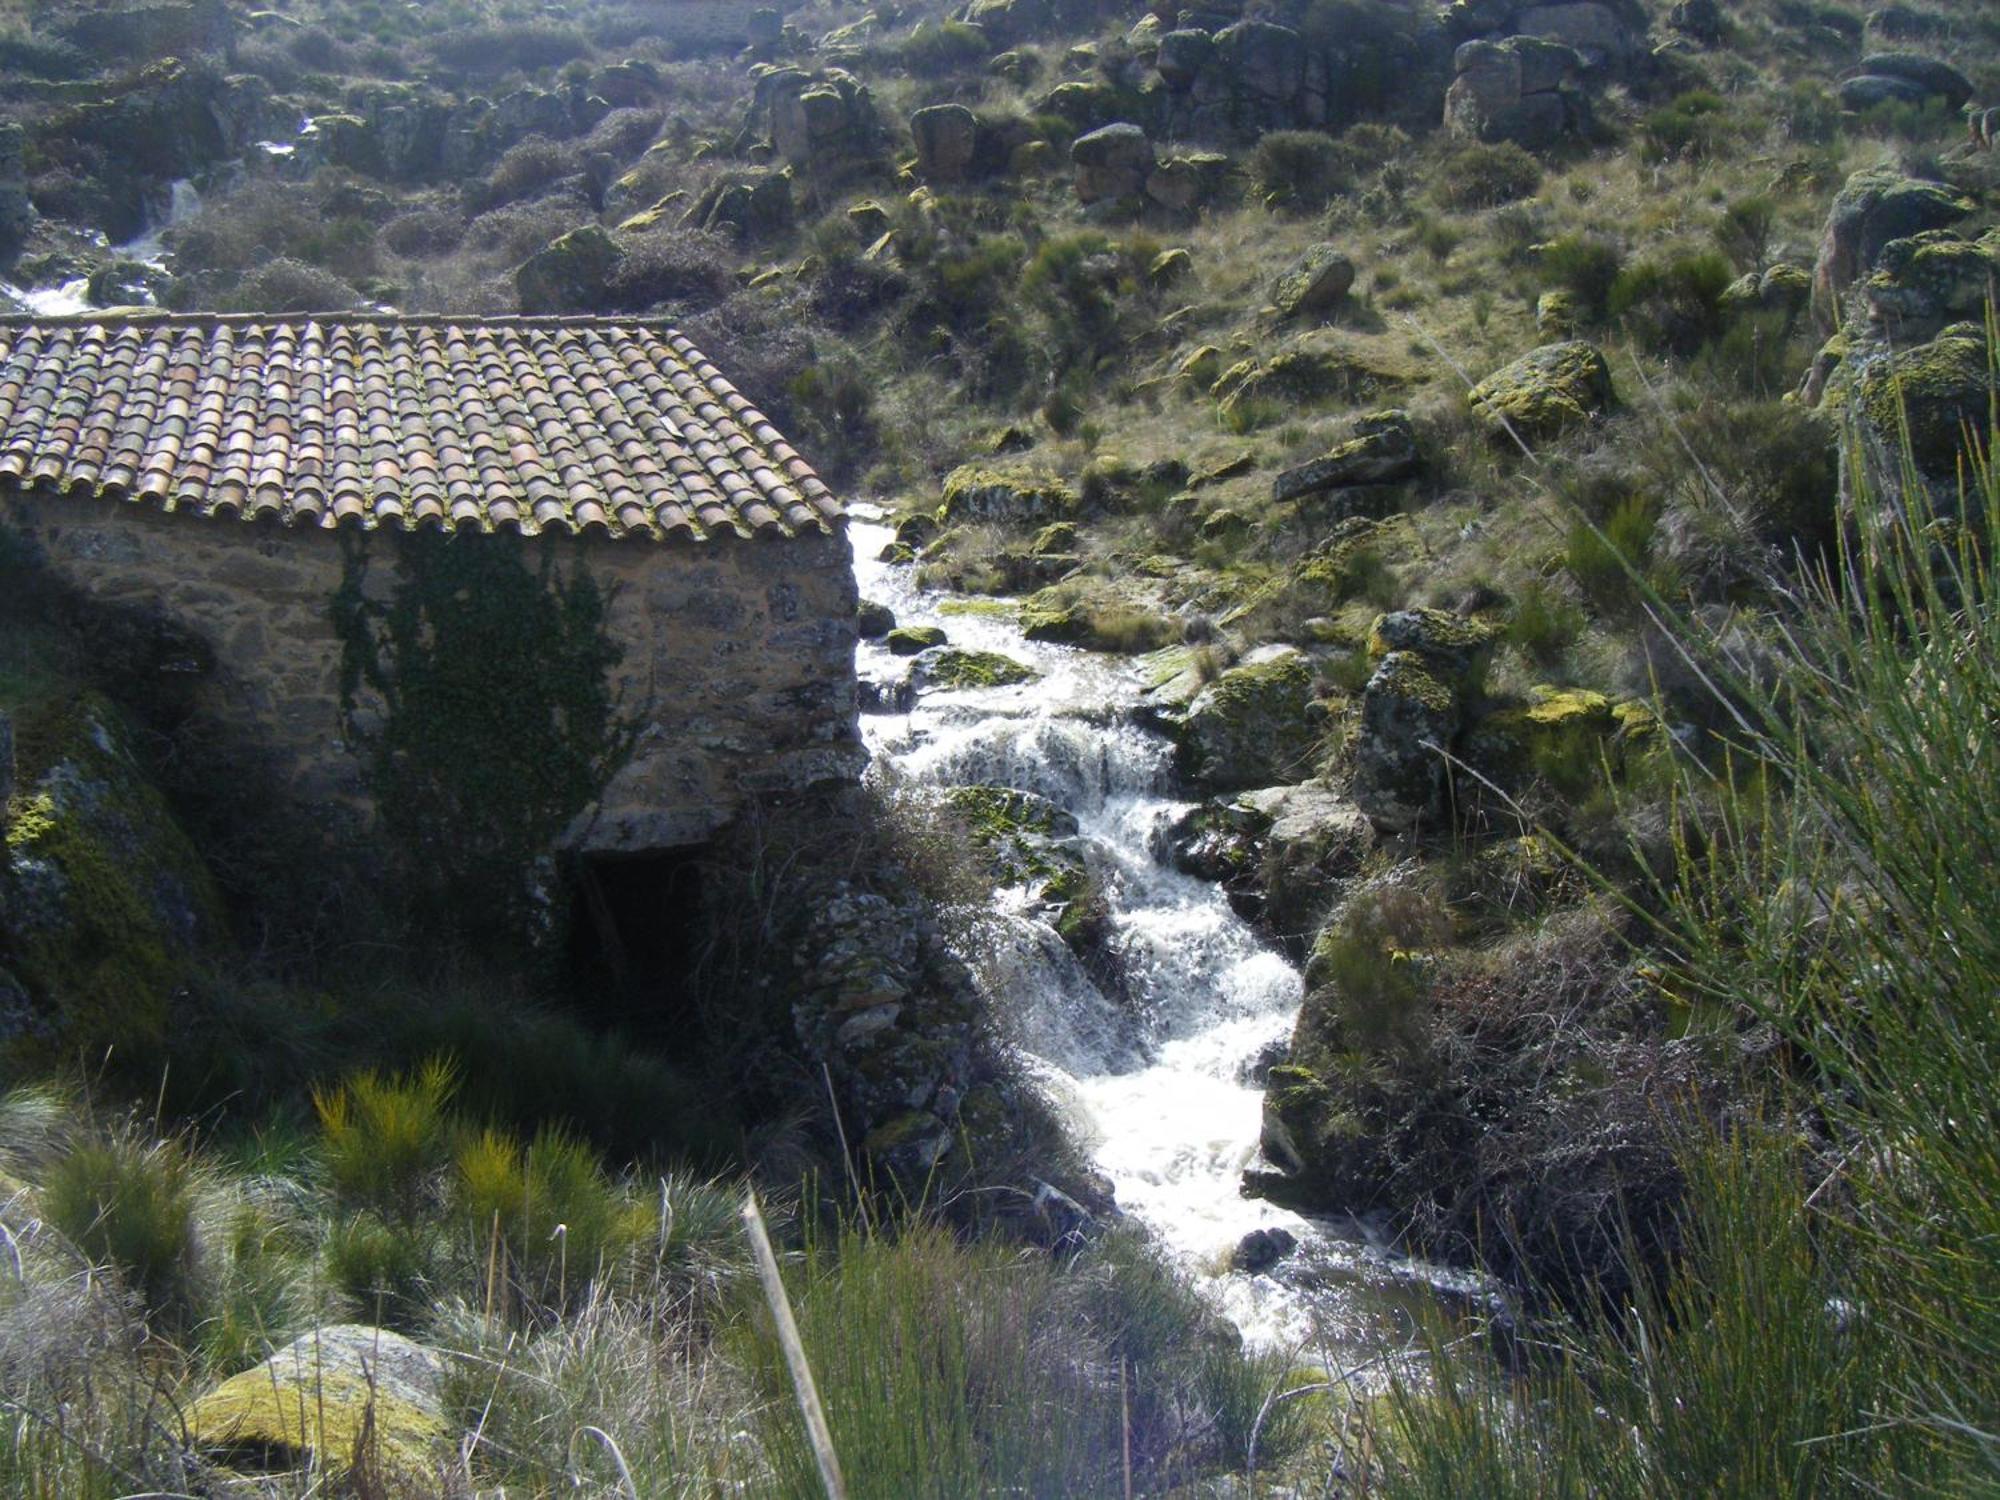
(1401, 385)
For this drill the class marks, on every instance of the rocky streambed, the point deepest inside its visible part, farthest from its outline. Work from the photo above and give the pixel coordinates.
(1144, 1005)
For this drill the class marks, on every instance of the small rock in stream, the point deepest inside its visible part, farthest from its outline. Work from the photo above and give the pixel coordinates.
(1261, 1249)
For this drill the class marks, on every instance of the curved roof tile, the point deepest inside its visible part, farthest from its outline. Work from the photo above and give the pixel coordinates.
(573, 425)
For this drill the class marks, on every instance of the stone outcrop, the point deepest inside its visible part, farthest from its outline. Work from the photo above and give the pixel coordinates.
(823, 123)
(17, 214)
(1903, 77)
(1252, 726)
(1112, 163)
(1523, 89)
(1383, 451)
(1609, 36)
(1545, 392)
(144, 33)
(947, 138)
(1873, 208)
(1281, 853)
(753, 205)
(106, 905)
(974, 493)
(1429, 666)
(569, 274)
(1317, 284)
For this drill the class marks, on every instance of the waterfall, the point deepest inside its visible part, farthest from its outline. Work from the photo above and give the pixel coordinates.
(1155, 1080)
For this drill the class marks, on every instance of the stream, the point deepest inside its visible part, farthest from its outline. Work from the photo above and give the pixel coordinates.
(149, 249)
(1156, 1082)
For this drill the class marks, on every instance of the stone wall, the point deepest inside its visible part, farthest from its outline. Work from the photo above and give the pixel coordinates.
(738, 660)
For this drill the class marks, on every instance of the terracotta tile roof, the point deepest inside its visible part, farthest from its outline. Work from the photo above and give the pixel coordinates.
(543, 424)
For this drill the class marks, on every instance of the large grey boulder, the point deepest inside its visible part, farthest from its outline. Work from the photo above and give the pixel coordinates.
(1318, 283)
(1514, 90)
(1873, 208)
(1252, 726)
(343, 1396)
(1920, 78)
(1112, 163)
(1429, 666)
(1545, 391)
(947, 137)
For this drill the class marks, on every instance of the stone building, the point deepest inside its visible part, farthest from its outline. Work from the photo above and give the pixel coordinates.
(244, 475)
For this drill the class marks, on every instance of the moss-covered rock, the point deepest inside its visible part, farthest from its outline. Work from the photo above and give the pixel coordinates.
(1942, 390)
(974, 493)
(106, 906)
(1456, 648)
(953, 668)
(349, 1398)
(1561, 736)
(1056, 539)
(1409, 718)
(873, 620)
(908, 640)
(570, 274)
(1546, 391)
(1316, 284)
(1253, 726)
(1094, 619)
(1929, 279)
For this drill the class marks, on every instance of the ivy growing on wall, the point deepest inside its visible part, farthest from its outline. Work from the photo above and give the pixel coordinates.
(479, 690)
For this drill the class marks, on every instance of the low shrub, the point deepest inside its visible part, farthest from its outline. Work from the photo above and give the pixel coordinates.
(423, 234)
(939, 47)
(1744, 230)
(526, 47)
(1599, 555)
(384, 1136)
(524, 171)
(1693, 127)
(128, 1202)
(1673, 305)
(286, 285)
(1474, 175)
(1584, 265)
(1297, 168)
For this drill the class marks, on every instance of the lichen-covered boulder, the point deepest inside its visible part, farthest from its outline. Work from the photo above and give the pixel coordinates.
(1546, 391)
(974, 493)
(1783, 289)
(908, 640)
(1906, 75)
(1027, 841)
(106, 906)
(1872, 209)
(1929, 279)
(947, 137)
(1458, 649)
(1253, 725)
(346, 1398)
(957, 669)
(1408, 721)
(570, 274)
(1382, 451)
(1561, 735)
(1319, 282)
(1112, 163)
(1939, 393)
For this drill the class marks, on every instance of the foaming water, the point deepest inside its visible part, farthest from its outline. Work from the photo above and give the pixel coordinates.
(149, 249)
(1155, 1077)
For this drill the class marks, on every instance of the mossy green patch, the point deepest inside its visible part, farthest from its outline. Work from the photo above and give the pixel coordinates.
(336, 1417)
(106, 903)
(979, 669)
(1542, 393)
(908, 640)
(973, 492)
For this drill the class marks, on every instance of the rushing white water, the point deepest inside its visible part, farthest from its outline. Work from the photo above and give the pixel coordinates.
(148, 249)
(1155, 1079)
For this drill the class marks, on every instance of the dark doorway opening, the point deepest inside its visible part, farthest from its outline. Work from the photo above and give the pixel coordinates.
(638, 934)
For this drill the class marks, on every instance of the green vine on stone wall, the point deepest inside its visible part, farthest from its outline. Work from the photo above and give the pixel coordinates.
(479, 691)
